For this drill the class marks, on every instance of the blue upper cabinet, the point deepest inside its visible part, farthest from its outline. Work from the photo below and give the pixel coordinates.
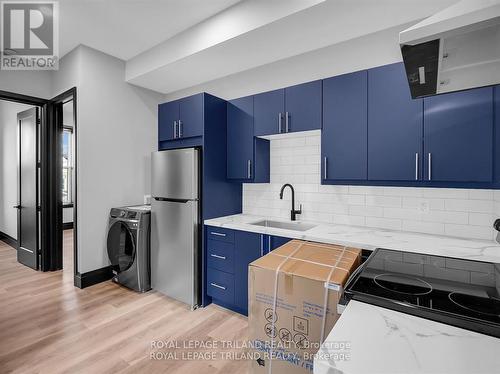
(247, 156)
(296, 108)
(395, 126)
(269, 108)
(168, 115)
(191, 116)
(458, 136)
(344, 135)
(181, 118)
(302, 107)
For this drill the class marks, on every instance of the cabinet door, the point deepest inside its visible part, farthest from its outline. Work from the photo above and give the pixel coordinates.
(269, 108)
(303, 107)
(345, 131)
(497, 132)
(247, 249)
(191, 116)
(167, 114)
(458, 136)
(276, 242)
(240, 138)
(395, 126)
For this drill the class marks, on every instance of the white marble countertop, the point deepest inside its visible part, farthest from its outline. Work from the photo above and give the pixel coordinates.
(385, 341)
(370, 238)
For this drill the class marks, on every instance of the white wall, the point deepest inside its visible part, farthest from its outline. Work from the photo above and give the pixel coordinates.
(32, 83)
(295, 158)
(116, 133)
(8, 165)
(362, 53)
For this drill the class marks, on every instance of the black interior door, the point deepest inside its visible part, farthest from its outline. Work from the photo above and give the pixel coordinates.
(27, 212)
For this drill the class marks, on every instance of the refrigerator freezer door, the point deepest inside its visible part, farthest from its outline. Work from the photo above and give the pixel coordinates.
(174, 250)
(175, 174)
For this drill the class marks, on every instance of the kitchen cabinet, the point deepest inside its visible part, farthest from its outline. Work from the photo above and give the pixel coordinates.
(458, 136)
(292, 109)
(168, 115)
(181, 118)
(269, 108)
(247, 156)
(191, 116)
(247, 249)
(395, 126)
(303, 107)
(271, 242)
(229, 252)
(345, 131)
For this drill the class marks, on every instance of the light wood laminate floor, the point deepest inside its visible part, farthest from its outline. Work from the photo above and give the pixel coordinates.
(49, 326)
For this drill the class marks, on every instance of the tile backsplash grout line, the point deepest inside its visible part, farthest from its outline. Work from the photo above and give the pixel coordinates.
(465, 213)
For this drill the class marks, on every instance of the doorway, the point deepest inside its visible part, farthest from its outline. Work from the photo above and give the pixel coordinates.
(40, 205)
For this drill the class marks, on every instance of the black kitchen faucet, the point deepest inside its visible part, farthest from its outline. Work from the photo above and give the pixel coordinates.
(293, 212)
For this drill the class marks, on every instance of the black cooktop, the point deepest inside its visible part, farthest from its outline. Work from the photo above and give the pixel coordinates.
(458, 292)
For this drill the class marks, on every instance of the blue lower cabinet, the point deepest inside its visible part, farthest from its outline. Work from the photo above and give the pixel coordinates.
(272, 242)
(227, 264)
(458, 136)
(220, 256)
(220, 286)
(248, 247)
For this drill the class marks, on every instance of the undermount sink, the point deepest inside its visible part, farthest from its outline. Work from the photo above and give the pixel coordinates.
(296, 226)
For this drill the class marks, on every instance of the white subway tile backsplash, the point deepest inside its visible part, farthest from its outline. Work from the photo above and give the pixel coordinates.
(443, 211)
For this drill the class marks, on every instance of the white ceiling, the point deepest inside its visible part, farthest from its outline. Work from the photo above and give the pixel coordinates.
(125, 28)
(183, 61)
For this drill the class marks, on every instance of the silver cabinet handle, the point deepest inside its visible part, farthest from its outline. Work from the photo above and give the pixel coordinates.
(287, 124)
(430, 166)
(416, 166)
(269, 249)
(249, 169)
(325, 168)
(179, 133)
(175, 129)
(217, 233)
(219, 257)
(280, 119)
(218, 286)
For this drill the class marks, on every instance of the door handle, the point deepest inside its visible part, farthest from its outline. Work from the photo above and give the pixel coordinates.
(287, 122)
(325, 168)
(429, 166)
(175, 129)
(218, 286)
(17, 206)
(280, 120)
(217, 256)
(217, 233)
(179, 132)
(416, 166)
(249, 169)
(269, 249)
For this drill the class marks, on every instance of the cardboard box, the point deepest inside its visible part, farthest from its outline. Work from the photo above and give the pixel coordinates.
(307, 279)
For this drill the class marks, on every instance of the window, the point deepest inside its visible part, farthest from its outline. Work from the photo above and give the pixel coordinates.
(67, 165)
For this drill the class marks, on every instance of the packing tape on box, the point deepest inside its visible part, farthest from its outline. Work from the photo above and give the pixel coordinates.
(325, 297)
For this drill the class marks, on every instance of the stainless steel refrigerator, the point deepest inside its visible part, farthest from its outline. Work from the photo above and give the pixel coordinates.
(175, 223)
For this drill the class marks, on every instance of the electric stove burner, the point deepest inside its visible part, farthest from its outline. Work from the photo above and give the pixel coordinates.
(482, 305)
(403, 284)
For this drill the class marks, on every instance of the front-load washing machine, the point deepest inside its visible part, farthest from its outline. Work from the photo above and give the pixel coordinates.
(129, 246)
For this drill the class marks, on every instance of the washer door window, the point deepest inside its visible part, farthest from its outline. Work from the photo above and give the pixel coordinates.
(121, 246)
